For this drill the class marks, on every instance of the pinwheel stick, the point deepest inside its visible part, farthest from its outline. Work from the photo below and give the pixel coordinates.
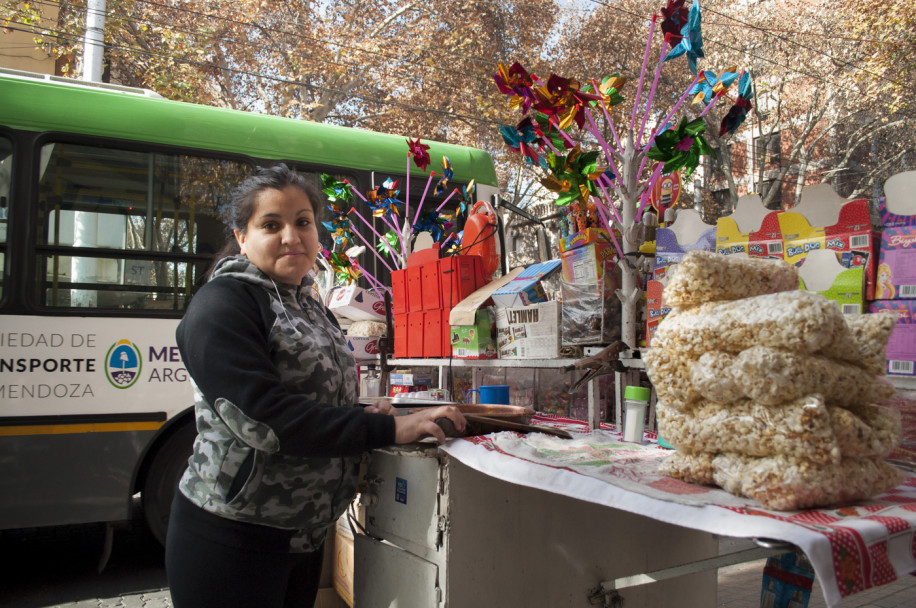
(673, 111)
(607, 197)
(642, 75)
(602, 217)
(604, 145)
(372, 280)
(607, 117)
(407, 190)
(381, 238)
(446, 200)
(358, 193)
(651, 98)
(423, 198)
(650, 183)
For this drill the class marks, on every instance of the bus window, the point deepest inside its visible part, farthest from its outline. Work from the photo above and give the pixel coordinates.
(120, 229)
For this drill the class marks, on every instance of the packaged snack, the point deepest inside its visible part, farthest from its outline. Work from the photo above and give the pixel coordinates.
(704, 276)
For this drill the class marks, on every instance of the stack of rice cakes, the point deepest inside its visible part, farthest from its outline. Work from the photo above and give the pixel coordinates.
(768, 391)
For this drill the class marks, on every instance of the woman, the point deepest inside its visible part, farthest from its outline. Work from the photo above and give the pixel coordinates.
(279, 430)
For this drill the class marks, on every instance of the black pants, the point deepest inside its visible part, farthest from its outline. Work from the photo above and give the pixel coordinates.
(216, 562)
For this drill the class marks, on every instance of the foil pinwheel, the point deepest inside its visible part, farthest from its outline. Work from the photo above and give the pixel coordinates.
(562, 98)
(572, 177)
(345, 272)
(420, 153)
(388, 244)
(713, 85)
(467, 197)
(336, 190)
(674, 18)
(738, 112)
(339, 226)
(681, 147)
(608, 90)
(434, 223)
(524, 139)
(517, 83)
(447, 175)
(383, 200)
(691, 42)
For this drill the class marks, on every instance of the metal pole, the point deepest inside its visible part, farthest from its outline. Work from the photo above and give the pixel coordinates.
(94, 41)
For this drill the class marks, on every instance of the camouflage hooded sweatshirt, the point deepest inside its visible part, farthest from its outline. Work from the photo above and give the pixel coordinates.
(279, 431)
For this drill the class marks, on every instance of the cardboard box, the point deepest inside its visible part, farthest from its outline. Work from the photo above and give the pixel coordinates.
(823, 273)
(586, 264)
(363, 348)
(752, 229)
(896, 272)
(898, 205)
(687, 233)
(901, 347)
(464, 314)
(850, 231)
(529, 332)
(584, 237)
(356, 303)
(655, 308)
(527, 288)
(477, 341)
(407, 379)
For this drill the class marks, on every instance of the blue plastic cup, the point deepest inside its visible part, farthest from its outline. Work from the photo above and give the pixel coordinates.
(491, 394)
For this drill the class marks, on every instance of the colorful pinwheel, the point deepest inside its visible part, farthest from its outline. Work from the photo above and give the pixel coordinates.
(383, 200)
(562, 98)
(339, 227)
(419, 153)
(467, 197)
(517, 83)
(345, 272)
(691, 42)
(388, 244)
(573, 176)
(608, 90)
(674, 17)
(335, 190)
(738, 112)
(433, 223)
(712, 85)
(447, 174)
(548, 130)
(522, 139)
(681, 147)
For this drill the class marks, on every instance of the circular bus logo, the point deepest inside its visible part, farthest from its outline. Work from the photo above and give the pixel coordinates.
(122, 364)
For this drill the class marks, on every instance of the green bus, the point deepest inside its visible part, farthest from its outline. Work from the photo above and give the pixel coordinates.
(110, 212)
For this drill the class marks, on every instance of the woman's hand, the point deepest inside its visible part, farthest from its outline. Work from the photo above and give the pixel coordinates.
(422, 423)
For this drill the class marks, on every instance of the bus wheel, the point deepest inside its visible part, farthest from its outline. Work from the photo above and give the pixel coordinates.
(168, 465)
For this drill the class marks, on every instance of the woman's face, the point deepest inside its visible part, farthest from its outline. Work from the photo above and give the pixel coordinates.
(281, 238)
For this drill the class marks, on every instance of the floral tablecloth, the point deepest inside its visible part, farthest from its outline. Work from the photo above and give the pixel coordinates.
(852, 548)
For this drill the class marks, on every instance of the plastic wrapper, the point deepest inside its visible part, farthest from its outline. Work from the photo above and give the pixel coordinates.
(704, 276)
(366, 329)
(784, 483)
(690, 467)
(771, 376)
(792, 320)
(670, 375)
(591, 312)
(866, 430)
(801, 429)
(870, 333)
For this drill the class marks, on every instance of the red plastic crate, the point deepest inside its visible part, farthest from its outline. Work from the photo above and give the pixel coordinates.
(400, 335)
(431, 286)
(399, 292)
(415, 333)
(436, 342)
(461, 275)
(414, 288)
